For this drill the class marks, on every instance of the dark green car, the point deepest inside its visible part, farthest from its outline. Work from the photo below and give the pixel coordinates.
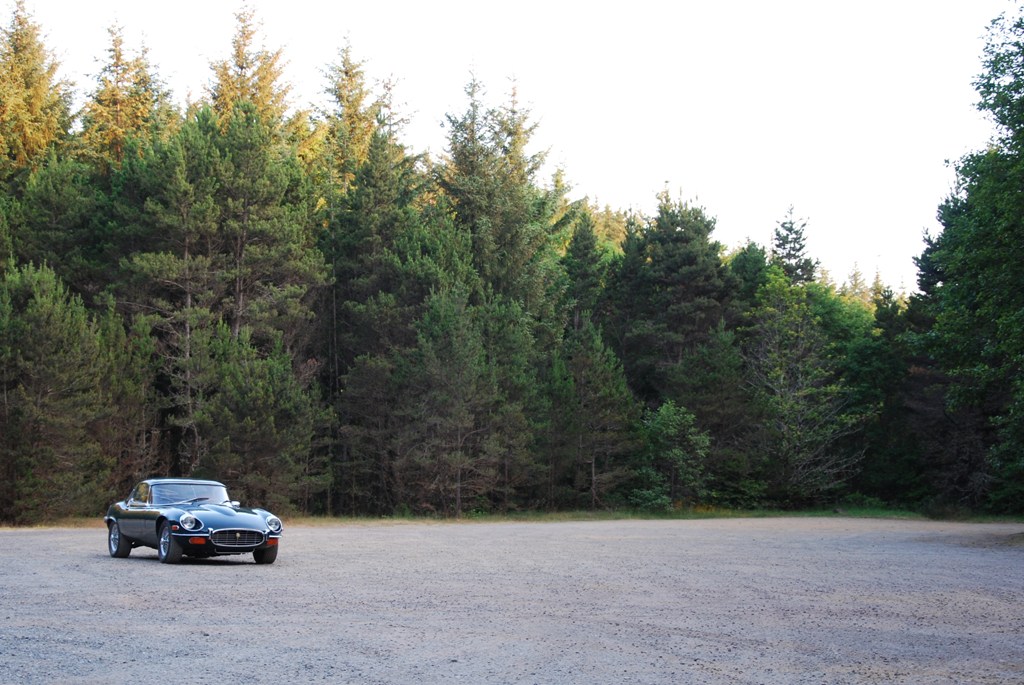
(184, 517)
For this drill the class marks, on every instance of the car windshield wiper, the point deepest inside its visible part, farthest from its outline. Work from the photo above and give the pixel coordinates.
(188, 501)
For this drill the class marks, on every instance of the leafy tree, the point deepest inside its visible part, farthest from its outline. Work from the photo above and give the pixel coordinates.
(714, 379)
(807, 408)
(970, 278)
(671, 469)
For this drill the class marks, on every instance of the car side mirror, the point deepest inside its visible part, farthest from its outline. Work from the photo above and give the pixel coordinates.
(235, 503)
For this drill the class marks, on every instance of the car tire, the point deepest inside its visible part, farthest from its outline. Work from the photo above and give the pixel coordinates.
(167, 549)
(267, 555)
(118, 545)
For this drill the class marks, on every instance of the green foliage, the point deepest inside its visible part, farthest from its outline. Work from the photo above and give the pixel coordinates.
(586, 271)
(670, 292)
(34, 106)
(250, 75)
(971, 292)
(56, 219)
(807, 406)
(789, 250)
(305, 309)
(749, 266)
(6, 239)
(127, 103)
(450, 445)
(51, 398)
(490, 178)
(590, 433)
(671, 469)
(258, 424)
(351, 124)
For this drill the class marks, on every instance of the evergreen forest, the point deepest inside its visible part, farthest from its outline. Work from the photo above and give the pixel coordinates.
(293, 302)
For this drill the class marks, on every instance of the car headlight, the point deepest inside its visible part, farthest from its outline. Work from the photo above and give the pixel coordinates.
(190, 522)
(274, 524)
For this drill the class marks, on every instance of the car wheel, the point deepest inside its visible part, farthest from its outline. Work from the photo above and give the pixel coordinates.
(265, 555)
(168, 549)
(119, 545)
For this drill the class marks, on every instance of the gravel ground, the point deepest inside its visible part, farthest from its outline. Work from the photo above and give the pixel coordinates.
(784, 600)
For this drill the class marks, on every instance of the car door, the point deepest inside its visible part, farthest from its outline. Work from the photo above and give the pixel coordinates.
(137, 510)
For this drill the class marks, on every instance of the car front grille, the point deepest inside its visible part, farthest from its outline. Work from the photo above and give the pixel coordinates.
(237, 537)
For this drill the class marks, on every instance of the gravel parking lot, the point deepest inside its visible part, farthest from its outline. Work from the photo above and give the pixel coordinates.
(787, 600)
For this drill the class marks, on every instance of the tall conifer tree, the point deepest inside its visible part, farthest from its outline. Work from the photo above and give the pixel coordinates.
(35, 106)
(251, 74)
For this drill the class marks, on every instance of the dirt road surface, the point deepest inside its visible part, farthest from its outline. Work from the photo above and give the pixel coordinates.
(785, 600)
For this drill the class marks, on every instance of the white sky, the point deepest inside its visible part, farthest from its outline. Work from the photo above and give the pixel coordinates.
(847, 111)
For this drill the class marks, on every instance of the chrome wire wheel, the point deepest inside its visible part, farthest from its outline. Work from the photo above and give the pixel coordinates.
(114, 538)
(118, 545)
(168, 549)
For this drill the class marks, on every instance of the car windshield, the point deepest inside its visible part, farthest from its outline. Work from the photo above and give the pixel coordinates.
(170, 493)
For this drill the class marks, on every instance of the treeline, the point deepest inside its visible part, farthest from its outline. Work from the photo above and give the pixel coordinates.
(296, 304)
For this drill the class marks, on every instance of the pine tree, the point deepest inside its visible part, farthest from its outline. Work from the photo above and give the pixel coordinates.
(258, 424)
(670, 292)
(670, 467)
(59, 208)
(447, 442)
(591, 424)
(250, 75)
(789, 249)
(386, 255)
(352, 121)
(266, 224)
(586, 272)
(50, 399)
(35, 107)
(749, 266)
(856, 289)
(491, 179)
(128, 102)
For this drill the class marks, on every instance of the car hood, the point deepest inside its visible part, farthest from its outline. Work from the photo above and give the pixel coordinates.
(224, 516)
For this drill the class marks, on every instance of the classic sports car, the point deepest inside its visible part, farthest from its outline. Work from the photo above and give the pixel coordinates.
(179, 516)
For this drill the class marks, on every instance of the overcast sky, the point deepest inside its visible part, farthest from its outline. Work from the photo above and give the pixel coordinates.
(846, 111)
